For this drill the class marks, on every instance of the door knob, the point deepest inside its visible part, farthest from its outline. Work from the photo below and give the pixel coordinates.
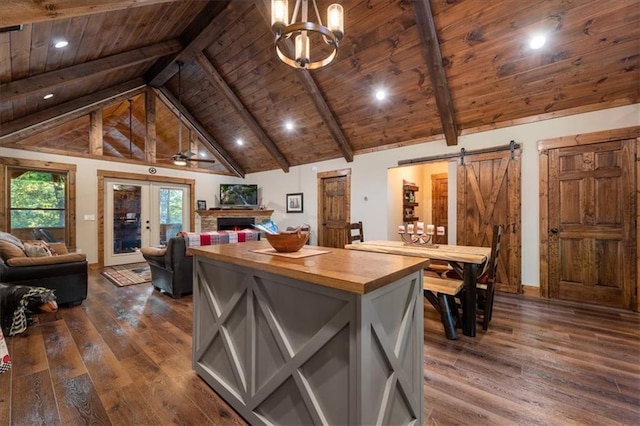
(554, 230)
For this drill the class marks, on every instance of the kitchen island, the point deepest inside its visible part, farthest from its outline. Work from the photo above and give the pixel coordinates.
(335, 337)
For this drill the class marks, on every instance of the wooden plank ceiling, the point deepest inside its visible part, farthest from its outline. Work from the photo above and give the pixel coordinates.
(449, 68)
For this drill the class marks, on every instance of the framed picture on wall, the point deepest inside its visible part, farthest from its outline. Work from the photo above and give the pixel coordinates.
(294, 203)
(202, 204)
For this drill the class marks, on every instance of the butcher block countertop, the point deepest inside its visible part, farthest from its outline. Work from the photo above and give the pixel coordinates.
(347, 270)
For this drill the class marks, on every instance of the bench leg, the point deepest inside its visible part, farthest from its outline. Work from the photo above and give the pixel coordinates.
(432, 299)
(446, 316)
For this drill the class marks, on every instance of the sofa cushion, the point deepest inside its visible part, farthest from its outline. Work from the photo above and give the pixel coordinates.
(51, 260)
(58, 248)
(10, 250)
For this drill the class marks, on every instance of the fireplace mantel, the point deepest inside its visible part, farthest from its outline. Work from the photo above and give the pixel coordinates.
(207, 220)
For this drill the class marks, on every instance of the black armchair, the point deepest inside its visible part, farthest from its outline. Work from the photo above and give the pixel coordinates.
(171, 268)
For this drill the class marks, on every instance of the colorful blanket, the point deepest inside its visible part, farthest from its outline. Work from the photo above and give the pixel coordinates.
(196, 239)
(5, 360)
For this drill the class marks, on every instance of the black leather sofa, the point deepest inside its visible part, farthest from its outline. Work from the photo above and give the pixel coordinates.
(171, 268)
(66, 273)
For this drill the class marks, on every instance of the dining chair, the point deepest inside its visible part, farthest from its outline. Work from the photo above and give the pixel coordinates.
(485, 285)
(47, 236)
(354, 232)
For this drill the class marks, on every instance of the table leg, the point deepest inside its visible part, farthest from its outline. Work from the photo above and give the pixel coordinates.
(469, 303)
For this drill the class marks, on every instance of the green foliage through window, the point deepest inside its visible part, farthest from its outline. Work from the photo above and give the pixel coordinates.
(170, 206)
(37, 199)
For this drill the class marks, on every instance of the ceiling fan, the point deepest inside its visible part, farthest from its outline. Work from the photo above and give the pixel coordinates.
(182, 158)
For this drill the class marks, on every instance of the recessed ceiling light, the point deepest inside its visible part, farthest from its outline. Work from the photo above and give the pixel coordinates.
(289, 125)
(48, 96)
(62, 43)
(381, 94)
(239, 141)
(537, 42)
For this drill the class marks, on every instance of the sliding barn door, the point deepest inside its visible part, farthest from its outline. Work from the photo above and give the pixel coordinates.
(589, 228)
(489, 194)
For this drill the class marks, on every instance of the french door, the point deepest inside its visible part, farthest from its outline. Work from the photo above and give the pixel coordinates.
(140, 214)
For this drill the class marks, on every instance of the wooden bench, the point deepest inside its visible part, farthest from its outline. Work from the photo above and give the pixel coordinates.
(441, 292)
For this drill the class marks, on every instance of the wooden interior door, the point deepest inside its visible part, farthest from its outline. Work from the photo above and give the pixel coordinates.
(440, 200)
(334, 207)
(488, 193)
(591, 223)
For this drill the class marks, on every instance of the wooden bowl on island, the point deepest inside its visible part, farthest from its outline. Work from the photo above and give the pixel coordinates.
(287, 242)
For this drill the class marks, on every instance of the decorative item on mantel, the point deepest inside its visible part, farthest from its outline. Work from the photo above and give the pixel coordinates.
(416, 235)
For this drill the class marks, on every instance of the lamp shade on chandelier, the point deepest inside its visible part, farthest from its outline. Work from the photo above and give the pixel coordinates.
(304, 31)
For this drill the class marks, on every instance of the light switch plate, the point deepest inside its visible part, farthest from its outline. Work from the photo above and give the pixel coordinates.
(89, 217)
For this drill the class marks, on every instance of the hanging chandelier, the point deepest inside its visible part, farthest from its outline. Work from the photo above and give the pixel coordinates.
(303, 30)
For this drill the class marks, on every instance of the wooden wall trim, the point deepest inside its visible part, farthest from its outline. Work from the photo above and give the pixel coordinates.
(544, 223)
(108, 174)
(589, 138)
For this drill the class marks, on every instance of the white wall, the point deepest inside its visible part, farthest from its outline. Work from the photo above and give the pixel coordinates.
(373, 197)
(374, 194)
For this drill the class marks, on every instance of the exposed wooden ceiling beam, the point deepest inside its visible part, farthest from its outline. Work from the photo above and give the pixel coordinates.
(307, 81)
(16, 12)
(433, 58)
(200, 33)
(172, 103)
(49, 81)
(218, 82)
(49, 118)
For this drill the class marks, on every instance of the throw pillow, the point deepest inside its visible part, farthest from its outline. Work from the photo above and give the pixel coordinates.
(37, 249)
(9, 250)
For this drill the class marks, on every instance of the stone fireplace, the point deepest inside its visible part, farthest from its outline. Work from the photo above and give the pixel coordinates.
(208, 220)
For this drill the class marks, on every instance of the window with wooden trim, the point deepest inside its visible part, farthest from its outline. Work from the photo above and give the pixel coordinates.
(39, 200)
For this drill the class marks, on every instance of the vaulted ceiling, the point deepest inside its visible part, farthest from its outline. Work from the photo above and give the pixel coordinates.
(449, 67)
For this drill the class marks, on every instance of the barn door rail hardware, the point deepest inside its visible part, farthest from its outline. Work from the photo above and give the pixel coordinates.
(512, 146)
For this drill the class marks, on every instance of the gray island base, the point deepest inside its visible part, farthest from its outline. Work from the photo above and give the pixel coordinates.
(331, 339)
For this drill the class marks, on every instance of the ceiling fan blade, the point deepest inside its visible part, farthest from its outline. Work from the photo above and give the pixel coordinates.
(202, 160)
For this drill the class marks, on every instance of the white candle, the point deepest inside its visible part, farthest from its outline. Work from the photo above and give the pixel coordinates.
(420, 228)
(401, 229)
(440, 230)
(410, 228)
(430, 229)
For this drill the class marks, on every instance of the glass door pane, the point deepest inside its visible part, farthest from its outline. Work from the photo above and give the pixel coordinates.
(171, 208)
(127, 207)
(126, 215)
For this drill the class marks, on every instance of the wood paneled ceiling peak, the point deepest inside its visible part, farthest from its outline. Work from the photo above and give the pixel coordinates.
(449, 67)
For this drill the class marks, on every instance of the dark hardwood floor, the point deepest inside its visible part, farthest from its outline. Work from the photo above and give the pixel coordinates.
(124, 357)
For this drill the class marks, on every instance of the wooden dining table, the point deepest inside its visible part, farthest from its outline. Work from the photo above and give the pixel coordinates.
(469, 261)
